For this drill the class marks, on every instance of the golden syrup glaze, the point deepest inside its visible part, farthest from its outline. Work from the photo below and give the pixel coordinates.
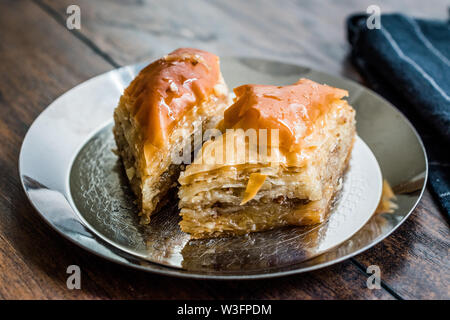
(292, 109)
(168, 88)
(300, 112)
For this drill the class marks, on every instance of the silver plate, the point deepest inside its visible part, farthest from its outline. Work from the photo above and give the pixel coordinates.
(77, 185)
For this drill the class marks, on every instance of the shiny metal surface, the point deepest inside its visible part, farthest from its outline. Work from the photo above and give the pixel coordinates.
(101, 196)
(76, 183)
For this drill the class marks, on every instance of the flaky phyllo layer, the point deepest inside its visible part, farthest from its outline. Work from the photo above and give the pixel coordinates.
(172, 99)
(291, 180)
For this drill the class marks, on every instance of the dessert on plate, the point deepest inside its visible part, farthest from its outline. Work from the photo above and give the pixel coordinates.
(279, 162)
(169, 101)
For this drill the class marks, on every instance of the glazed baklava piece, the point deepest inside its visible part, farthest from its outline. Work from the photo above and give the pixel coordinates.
(169, 101)
(287, 175)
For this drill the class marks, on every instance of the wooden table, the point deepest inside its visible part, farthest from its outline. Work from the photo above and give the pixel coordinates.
(40, 59)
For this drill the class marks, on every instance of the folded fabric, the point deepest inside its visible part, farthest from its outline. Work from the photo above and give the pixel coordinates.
(408, 62)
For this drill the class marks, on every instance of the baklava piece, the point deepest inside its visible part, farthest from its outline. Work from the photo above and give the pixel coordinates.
(287, 175)
(169, 101)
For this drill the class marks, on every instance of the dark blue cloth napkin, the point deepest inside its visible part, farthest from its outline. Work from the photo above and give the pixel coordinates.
(407, 61)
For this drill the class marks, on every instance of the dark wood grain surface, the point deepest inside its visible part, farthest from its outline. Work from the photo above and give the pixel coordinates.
(41, 59)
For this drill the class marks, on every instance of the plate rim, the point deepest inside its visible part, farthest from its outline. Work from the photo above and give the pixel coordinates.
(181, 273)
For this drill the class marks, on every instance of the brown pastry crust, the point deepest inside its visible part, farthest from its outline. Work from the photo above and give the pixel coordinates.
(169, 101)
(316, 144)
